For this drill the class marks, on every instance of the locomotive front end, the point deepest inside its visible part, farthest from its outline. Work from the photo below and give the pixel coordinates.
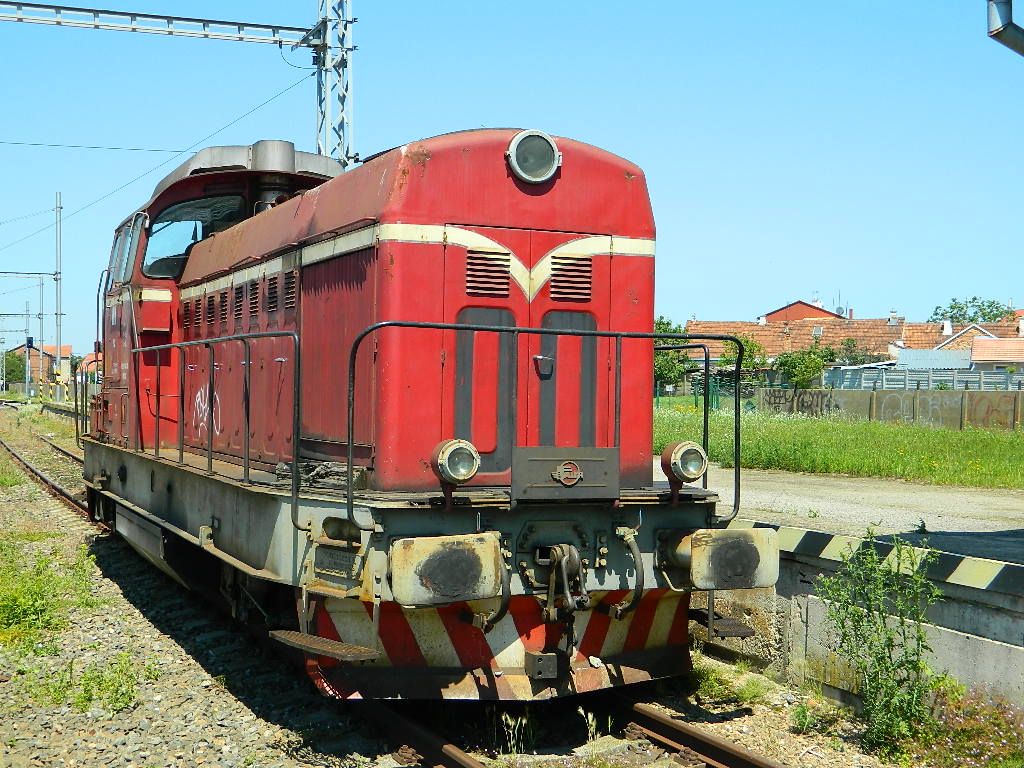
(541, 558)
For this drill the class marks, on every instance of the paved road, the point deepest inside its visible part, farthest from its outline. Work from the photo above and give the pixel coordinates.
(979, 522)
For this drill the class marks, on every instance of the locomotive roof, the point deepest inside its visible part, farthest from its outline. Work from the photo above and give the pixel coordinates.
(268, 156)
(458, 177)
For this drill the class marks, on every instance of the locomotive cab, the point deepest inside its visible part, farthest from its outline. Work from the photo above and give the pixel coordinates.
(413, 400)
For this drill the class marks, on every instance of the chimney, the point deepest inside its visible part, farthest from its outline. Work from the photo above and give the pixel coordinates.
(1020, 326)
(947, 327)
(850, 312)
(762, 320)
(894, 319)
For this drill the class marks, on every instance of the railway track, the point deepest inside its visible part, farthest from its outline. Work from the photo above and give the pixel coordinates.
(415, 743)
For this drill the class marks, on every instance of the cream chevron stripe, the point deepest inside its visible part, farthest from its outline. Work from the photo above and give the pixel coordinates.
(529, 281)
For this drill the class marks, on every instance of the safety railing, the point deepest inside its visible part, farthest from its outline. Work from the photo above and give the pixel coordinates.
(80, 391)
(245, 339)
(515, 332)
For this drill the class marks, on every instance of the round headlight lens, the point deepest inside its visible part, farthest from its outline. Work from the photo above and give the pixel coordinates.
(684, 461)
(456, 461)
(533, 156)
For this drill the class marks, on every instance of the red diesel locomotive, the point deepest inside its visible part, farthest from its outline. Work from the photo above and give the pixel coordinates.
(400, 417)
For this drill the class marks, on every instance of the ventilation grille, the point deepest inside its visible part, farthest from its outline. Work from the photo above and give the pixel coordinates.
(197, 313)
(487, 274)
(571, 277)
(290, 293)
(254, 298)
(186, 314)
(239, 295)
(210, 300)
(272, 294)
(224, 306)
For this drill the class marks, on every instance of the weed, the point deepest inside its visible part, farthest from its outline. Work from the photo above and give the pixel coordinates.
(803, 718)
(973, 729)
(150, 672)
(742, 666)
(876, 604)
(115, 685)
(813, 513)
(710, 682)
(752, 690)
(922, 527)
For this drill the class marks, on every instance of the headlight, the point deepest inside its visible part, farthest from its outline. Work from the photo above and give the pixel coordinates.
(533, 156)
(455, 461)
(685, 461)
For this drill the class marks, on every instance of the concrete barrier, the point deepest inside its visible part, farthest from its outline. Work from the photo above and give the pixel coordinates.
(952, 410)
(976, 631)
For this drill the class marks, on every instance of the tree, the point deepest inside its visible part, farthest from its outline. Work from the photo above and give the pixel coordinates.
(754, 358)
(15, 362)
(850, 354)
(804, 366)
(972, 310)
(669, 367)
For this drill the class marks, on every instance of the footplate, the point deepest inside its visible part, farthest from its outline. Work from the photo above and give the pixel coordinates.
(723, 626)
(322, 646)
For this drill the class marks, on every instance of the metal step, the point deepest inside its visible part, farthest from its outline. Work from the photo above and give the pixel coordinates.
(724, 626)
(322, 646)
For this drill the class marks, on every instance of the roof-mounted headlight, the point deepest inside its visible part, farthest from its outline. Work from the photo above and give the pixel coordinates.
(455, 461)
(533, 156)
(685, 462)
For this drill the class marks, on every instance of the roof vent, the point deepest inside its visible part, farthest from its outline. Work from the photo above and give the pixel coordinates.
(947, 327)
(487, 273)
(571, 278)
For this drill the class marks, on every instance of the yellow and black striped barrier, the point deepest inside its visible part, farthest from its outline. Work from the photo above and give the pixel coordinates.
(945, 567)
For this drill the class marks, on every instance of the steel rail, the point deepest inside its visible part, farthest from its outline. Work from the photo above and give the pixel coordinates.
(415, 744)
(691, 741)
(61, 449)
(50, 484)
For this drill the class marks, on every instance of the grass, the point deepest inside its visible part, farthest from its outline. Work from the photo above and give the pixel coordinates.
(37, 589)
(970, 457)
(10, 476)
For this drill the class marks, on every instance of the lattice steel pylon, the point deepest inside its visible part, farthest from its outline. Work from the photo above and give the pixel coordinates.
(330, 39)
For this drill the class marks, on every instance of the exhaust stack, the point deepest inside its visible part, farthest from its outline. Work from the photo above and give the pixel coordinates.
(1001, 27)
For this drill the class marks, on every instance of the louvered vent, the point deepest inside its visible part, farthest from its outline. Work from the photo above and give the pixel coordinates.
(290, 292)
(209, 309)
(272, 294)
(571, 278)
(239, 295)
(186, 313)
(223, 306)
(197, 313)
(487, 274)
(254, 298)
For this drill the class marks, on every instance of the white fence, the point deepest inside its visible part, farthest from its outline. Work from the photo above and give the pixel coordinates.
(889, 378)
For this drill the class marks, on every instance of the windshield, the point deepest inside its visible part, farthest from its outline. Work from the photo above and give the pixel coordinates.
(181, 225)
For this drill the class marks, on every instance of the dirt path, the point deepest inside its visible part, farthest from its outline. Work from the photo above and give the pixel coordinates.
(980, 522)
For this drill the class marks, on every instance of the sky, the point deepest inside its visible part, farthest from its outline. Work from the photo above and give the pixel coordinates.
(861, 152)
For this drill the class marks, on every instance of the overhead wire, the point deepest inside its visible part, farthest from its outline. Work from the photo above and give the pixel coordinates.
(160, 165)
(56, 145)
(27, 215)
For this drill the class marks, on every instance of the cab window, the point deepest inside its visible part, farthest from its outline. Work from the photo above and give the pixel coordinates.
(116, 257)
(179, 226)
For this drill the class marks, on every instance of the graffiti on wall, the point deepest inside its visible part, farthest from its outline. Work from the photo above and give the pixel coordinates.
(811, 402)
(201, 412)
(995, 410)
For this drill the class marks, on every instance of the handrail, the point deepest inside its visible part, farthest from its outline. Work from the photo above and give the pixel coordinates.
(245, 339)
(707, 407)
(515, 331)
